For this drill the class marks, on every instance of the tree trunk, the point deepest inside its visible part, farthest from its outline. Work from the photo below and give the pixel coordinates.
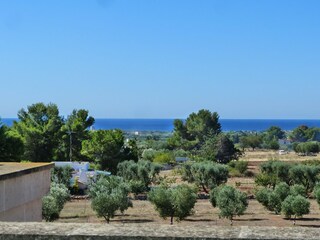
(171, 220)
(231, 221)
(294, 221)
(204, 188)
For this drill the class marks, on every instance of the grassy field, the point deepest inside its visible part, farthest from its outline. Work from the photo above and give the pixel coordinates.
(256, 215)
(259, 155)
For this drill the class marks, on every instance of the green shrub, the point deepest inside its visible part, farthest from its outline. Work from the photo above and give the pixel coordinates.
(298, 189)
(230, 201)
(109, 194)
(262, 196)
(295, 206)
(62, 175)
(53, 203)
(50, 208)
(207, 175)
(60, 193)
(138, 174)
(175, 202)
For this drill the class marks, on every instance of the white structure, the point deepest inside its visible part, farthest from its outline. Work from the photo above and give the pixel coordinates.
(81, 173)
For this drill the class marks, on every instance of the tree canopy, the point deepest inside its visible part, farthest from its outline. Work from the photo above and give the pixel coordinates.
(173, 202)
(40, 129)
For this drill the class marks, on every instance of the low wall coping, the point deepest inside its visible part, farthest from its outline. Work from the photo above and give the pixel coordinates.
(88, 231)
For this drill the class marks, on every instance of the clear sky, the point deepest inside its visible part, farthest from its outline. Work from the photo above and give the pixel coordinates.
(162, 58)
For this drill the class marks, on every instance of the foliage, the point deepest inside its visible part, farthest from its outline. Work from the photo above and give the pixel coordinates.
(61, 175)
(305, 175)
(230, 201)
(262, 196)
(11, 145)
(273, 172)
(276, 200)
(74, 131)
(298, 189)
(109, 194)
(50, 209)
(164, 158)
(53, 203)
(219, 149)
(138, 174)
(195, 130)
(207, 175)
(240, 166)
(39, 127)
(316, 193)
(105, 148)
(175, 202)
(60, 193)
(253, 140)
(295, 206)
(149, 154)
(307, 148)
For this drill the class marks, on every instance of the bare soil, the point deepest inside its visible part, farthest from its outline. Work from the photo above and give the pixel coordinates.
(79, 211)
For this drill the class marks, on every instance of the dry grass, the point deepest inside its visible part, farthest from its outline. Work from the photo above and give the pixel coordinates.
(256, 215)
(259, 155)
(143, 212)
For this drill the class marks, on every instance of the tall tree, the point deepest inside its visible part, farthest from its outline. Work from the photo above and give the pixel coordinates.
(75, 130)
(40, 128)
(195, 130)
(105, 148)
(11, 145)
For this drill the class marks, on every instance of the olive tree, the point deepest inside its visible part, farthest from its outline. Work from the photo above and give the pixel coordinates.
(138, 174)
(174, 202)
(207, 175)
(295, 206)
(53, 203)
(109, 194)
(230, 201)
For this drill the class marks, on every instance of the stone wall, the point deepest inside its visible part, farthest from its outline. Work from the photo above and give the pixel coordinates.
(72, 231)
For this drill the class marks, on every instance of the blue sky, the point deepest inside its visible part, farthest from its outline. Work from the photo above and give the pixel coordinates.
(162, 58)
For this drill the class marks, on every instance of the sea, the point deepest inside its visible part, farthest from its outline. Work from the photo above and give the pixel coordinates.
(166, 125)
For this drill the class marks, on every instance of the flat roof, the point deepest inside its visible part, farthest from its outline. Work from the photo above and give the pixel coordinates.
(14, 169)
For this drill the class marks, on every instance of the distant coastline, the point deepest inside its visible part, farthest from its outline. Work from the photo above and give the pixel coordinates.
(166, 125)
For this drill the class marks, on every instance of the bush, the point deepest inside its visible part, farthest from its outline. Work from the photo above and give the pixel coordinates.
(238, 167)
(62, 175)
(207, 175)
(138, 174)
(298, 189)
(50, 209)
(295, 206)
(230, 201)
(109, 194)
(262, 196)
(53, 203)
(164, 158)
(175, 202)
(60, 193)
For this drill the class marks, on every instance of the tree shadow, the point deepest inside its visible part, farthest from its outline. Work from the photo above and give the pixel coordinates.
(309, 226)
(308, 219)
(249, 219)
(199, 220)
(132, 220)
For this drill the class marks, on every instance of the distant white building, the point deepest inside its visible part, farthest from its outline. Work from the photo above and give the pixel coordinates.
(81, 172)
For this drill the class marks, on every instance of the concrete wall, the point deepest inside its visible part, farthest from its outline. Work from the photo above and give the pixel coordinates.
(84, 231)
(21, 194)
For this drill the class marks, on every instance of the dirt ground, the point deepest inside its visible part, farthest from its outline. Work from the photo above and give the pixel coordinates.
(79, 211)
(256, 215)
